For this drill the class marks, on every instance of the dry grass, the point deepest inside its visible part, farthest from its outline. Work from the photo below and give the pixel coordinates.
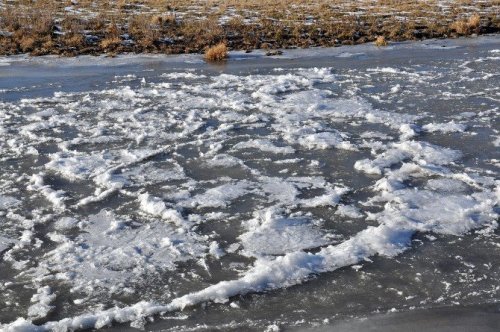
(381, 41)
(74, 41)
(216, 53)
(27, 43)
(460, 27)
(186, 26)
(110, 43)
(466, 27)
(474, 21)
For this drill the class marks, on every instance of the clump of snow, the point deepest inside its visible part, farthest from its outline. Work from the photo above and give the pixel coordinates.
(271, 233)
(56, 197)
(66, 223)
(156, 207)
(447, 185)
(421, 152)
(330, 198)
(215, 250)
(42, 300)
(348, 211)
(322, 140)
(448, 127)
(408, 131)
(219, 196)
(265, 146)
(224, 160)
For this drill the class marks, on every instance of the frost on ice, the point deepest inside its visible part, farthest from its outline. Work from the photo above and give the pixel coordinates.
(143, 184)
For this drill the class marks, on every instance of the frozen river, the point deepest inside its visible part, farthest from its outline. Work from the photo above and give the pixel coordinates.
(265, 193)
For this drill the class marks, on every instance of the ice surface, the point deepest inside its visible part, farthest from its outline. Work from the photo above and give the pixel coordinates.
(148, 195)
(7, 202)
(219, 196)
(111, 252)
(271, 233)
(41, 303)
(5, 243)
(445, 127)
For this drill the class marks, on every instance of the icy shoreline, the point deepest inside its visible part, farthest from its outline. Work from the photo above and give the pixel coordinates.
(347, 51)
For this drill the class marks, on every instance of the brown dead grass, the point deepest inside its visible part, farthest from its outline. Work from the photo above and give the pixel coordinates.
(465, 27)
(474, 21)
(75, 40)
(110, 42)
(461, 27)
(187, 26)
(217, 53)
(381, 41)
(27, 43)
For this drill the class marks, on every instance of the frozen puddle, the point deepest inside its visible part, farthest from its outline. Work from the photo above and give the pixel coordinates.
(207, 198)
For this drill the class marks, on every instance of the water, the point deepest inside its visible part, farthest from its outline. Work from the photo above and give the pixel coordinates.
(327, 184)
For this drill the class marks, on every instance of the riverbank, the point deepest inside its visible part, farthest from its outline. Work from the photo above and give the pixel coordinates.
(71, 28)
